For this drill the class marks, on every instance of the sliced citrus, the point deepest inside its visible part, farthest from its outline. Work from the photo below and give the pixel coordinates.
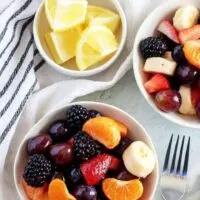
(35, 193)
(123, 129)
(101, 16)
(62, 45)
(120, 190)
(63, 15)
(95, 44)
(105, 130)
(58, 191)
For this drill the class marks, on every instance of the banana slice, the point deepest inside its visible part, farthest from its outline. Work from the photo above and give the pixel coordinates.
(186, 17)
(139, 159)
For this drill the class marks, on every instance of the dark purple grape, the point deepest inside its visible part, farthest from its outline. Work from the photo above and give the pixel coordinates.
(124, 143)
(168, 100)
(125, 176)
(58, 131)
(62, 154)
(198, 109)
(74, 175)
(185, 75)
(39, 144)
(94, 113)
(84, 192)
(178, 54)
(198, 80)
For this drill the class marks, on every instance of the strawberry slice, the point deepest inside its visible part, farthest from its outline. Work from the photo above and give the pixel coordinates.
(168, 29)
(189, 34)
(157, 83)
(195, 95)
(96, 169)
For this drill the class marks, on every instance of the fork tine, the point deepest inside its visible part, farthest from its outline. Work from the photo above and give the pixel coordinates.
(174, 156)
(165, 167)
(180, 156)
(185, 167)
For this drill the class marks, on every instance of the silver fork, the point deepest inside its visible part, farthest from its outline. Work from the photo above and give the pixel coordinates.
(174, 179)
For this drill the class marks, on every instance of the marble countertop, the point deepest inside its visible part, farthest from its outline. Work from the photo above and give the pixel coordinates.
(127, 96)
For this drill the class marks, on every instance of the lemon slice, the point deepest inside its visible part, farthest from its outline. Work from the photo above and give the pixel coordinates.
(62, 45)
(65, 14)
(101, 16)
(95, 44)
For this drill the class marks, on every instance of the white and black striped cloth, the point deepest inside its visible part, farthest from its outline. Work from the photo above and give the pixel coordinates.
(17, 63)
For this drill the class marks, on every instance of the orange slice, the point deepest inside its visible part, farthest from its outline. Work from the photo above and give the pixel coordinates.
(120, 190)
(35, 193)
(123, 129)
(105, 130)
(59, 191)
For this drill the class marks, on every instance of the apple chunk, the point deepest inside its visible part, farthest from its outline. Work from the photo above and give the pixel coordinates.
(160, 65)
(187, 107)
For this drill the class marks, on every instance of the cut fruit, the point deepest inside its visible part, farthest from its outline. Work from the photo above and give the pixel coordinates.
(39, 193)
(95, 44)
(168, 56)
(105, 130)
(157, 83)
(120, 190)
(63, 15)
(191, 50)
(195, 95)
(58, 191)
(168, 29)
(62, 45)
(190, 34)
(101, 16)
(123, 129)
(187, 107)
(160, 65)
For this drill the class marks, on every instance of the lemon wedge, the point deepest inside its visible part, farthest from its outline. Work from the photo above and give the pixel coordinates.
(95, 44)
(62, 45)
(65, 14)
(101, 16)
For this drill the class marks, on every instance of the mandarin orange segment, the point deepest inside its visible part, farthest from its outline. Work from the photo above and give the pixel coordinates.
(192, 52)
(58, 191)
(35, 193)
(105, 130)
(122, 190)
(123, 129)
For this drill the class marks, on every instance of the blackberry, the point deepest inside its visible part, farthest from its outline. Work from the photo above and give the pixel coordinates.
(153, 47)
(94, 113)
(77, 115)
(85, 147)
(38, 171)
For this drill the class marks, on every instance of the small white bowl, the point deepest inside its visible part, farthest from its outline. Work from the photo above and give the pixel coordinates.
(148, 28)
(41, 26)
(136, 132)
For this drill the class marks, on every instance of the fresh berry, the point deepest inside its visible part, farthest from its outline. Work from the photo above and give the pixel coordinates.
(105, 130)
(168, 100)
(170, 43)
(116, 189)
(198, 109)
(124, 143)
(85, 147)
(85, 192)
(38, 170)
(59, 131)
(153, 47)
(191, 50)
(94, 113)
(185, 74)
(168, 29)
(39, 144)
(157, 83)
(77, 115)
(195, 95)
(96, 169)
(73, 175)
(62, 154)
(190, 34)
(178, 54)
(125, 176)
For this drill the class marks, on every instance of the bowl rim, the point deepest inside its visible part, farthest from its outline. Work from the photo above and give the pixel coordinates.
(89, 72)
(165, 6)
(86, 103)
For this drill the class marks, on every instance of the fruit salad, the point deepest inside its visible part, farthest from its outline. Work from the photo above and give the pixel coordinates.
(85, 33)
(172, 62)
(86, 156)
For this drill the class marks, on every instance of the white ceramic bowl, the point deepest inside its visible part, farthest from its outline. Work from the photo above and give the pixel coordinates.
(136, 132)
(41, 26)
(148, 28)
